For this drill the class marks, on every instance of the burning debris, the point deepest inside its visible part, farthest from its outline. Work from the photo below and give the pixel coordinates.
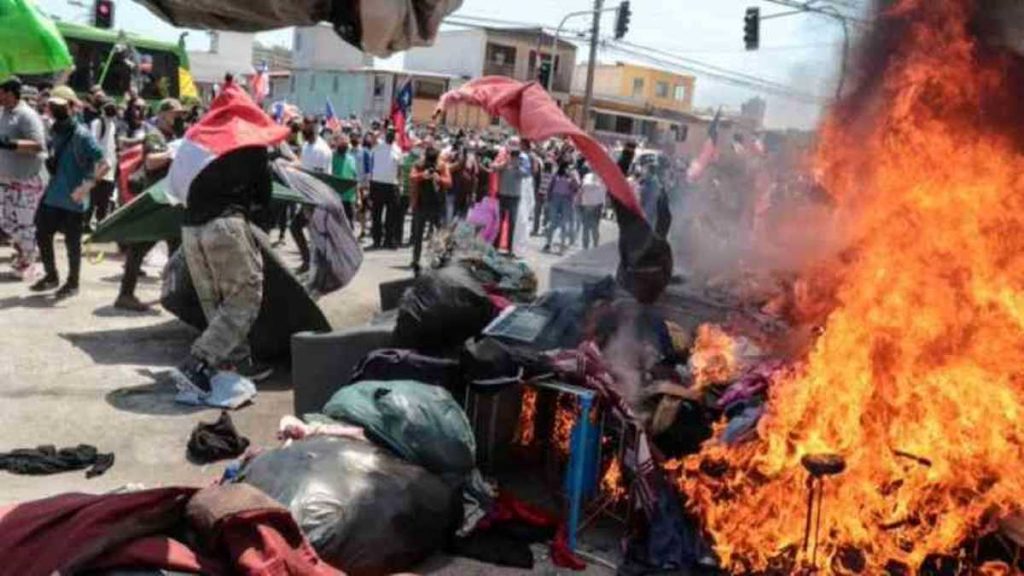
(915, 383)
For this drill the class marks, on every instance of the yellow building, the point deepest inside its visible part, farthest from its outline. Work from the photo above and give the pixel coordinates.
(635, 101)
(644, 86)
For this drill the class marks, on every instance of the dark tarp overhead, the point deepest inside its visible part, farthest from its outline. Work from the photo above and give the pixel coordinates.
(151, 217)
(287, 308)
(379, 27)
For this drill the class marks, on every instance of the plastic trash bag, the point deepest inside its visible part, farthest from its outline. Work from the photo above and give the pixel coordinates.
(421, 423)
(363, 510)
(227, 390)
(441, 310)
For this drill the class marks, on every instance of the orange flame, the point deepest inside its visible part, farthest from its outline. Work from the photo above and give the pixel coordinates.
(612, 486)
(565, 421)
(918, 379)
(713, 358)
(526, 427)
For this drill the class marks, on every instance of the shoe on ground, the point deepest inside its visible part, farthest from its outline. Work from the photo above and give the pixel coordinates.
(252, 369)
(67, 291)
(546, 249)
(130, 303)
(45, 284)
(193, 376)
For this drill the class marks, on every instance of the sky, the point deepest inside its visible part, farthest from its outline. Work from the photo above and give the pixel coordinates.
(801, 51)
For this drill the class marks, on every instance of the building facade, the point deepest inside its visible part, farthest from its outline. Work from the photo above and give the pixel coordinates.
(366, 93)
(277, 58)
(518, 53)
(229, 53)
(635, 102)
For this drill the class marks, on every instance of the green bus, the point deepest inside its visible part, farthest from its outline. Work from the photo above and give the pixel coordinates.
(114, 59)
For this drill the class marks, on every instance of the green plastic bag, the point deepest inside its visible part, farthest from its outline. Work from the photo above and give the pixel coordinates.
(421, 423)
(31, 42)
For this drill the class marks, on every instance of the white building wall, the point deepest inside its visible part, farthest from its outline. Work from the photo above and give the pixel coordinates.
(229, 52)
(320, 48)
(456, 52)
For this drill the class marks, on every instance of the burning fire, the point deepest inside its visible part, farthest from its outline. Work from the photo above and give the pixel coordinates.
(918, 379)
(713, 358)
(612, 486)
(527, 418)
(565, 421)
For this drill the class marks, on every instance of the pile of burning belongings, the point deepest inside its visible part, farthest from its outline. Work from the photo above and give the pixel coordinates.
(392, 456)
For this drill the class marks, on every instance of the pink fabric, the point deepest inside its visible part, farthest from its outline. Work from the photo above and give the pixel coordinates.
(485, 215)
(530, 109)
(233, 122)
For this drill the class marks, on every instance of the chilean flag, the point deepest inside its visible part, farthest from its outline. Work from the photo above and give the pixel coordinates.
(708, 153)
(233, 122)
(331, 120)
(401, 109)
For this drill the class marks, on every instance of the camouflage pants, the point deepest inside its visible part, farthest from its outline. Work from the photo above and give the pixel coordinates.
(227, 270)
(19, 200)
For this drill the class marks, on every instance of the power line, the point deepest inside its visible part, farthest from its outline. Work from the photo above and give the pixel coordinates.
(767, 87)
(692, 62)
(653, 55)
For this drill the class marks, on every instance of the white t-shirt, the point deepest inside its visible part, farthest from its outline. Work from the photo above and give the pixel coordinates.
(592, 191)
(385, 161)
(316, 156)
(107, 142)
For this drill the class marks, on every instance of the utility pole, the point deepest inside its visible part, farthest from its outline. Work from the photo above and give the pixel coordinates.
(588, 96)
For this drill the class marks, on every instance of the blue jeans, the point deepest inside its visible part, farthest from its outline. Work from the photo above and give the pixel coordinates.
(560, 215)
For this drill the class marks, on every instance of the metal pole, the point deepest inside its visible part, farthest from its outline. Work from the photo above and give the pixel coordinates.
(554, 44)
(595, 30)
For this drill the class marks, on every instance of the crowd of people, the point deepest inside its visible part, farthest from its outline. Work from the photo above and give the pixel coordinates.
(61, 163)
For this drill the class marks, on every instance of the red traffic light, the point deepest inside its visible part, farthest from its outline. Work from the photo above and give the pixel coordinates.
(103, 14)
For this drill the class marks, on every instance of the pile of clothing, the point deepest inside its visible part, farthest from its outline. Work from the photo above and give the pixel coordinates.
(233, 529)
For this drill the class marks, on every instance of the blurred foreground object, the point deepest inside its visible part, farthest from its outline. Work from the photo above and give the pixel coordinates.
(378, 27)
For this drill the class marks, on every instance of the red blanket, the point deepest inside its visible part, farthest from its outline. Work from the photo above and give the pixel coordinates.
(535, 115)
(241, 529)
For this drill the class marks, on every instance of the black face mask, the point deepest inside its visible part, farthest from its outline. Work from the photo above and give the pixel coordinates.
(342, 150)
(60, 115)
(110, 113)
(309, 135)
(179, 126)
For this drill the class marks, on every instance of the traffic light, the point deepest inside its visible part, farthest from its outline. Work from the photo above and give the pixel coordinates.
(103, 14)
(752, 28)
(622, 20)
(544, 73)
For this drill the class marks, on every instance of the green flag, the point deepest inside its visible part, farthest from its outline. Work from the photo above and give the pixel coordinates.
(31, 42)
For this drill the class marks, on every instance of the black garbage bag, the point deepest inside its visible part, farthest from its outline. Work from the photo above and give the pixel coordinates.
(441, 310)
(394, 364)
(363, 510)
(286, 308)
